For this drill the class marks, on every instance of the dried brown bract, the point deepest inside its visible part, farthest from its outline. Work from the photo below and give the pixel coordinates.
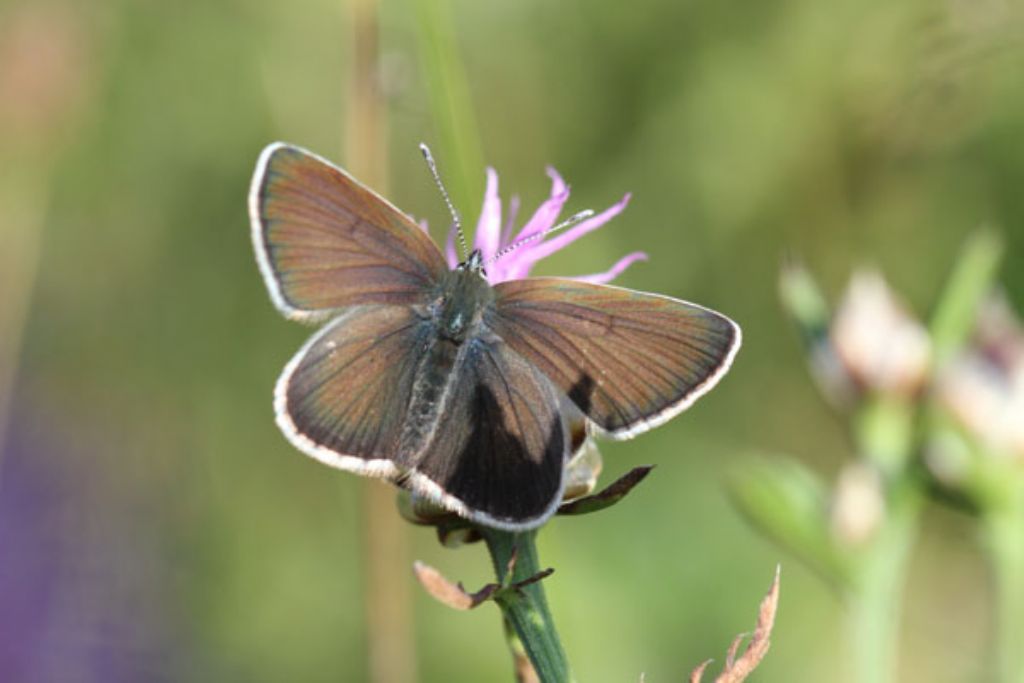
(738, 668)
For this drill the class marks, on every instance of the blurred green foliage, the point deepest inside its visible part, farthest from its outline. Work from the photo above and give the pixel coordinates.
(848, 131)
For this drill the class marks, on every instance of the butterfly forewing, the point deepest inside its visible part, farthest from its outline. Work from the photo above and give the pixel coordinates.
(499, 450)
(344, 397)
(629, 360)
(324, 242)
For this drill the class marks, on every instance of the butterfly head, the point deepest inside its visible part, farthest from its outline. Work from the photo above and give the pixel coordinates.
(464, 297)
(474, 264)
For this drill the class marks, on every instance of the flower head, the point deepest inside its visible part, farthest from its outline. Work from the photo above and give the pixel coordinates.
(870, 345)
(983, 387)
(882, 347)
(493, 235)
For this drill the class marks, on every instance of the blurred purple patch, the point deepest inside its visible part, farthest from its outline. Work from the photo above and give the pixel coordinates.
(77, 600)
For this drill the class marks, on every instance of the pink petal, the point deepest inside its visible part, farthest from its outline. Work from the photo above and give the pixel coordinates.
(535, 252)
(488, 228)
(424, 226)
(449, 249)
(496, 272)
(545, 216)
(616, 270)
(513, 212)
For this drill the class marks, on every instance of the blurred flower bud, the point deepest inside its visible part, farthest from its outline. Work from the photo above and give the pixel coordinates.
(858, 505)
(803, 300)
(983, 386)
(949, 459)
(881, 347)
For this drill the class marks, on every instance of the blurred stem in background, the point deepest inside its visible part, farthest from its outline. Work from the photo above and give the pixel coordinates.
(1003, 537)
(883, 435)
(44, 78)
(23, 198)
(389, 620)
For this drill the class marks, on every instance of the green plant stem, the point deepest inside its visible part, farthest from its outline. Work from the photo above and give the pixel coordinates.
(1003, 535)
(526, 608)
(884, 435)
(876, 597)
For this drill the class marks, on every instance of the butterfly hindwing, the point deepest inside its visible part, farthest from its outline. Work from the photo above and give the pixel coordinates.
(629, 360)
(344, 397)
(500, 446)
(324, 242)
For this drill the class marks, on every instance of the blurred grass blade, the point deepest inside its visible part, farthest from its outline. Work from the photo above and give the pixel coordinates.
(803, 301)
(461, 160)
(968, 284)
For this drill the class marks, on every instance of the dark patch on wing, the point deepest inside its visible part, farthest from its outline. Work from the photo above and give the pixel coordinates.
(501, 443)
(581, 393)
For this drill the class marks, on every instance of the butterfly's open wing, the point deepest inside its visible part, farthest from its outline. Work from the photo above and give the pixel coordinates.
(324, 242)
(500, 446)
(629, 360)
(343, 398)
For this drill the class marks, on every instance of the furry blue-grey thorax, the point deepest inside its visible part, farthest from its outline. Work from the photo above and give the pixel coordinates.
(465, 295)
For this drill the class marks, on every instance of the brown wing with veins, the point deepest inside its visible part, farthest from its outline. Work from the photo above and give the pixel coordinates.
(324, 242)
(629, 360)
(344, 397)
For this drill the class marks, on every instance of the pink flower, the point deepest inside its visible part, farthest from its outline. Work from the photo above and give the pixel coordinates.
(492, 235)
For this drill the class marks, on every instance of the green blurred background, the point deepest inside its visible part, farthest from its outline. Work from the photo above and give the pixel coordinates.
(154, 524)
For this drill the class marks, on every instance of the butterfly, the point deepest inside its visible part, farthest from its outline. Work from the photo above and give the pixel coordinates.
(432, 378)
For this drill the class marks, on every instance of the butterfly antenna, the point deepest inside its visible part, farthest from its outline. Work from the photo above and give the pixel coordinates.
(432, 165)
(571, 221)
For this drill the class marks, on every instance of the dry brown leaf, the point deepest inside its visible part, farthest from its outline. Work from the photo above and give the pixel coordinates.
(737, 669)
(448, 593)
(456, 597)
(699, 671)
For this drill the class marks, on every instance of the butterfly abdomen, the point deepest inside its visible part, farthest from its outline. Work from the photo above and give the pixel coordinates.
(457, 320)
(429, 395)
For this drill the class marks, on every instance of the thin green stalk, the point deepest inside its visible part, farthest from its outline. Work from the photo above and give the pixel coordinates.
(876, 599)
(526, 608)
(884, 435)
(1003, 535)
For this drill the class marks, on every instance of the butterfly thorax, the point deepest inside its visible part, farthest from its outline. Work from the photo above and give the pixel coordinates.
(465, 295)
